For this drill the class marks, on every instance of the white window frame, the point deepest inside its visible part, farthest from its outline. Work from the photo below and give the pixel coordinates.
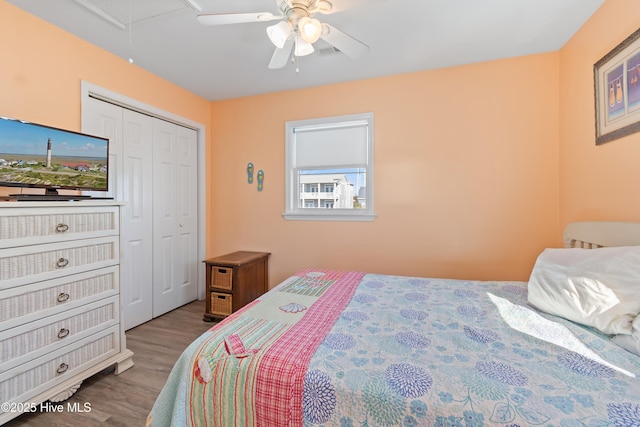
(292, 183)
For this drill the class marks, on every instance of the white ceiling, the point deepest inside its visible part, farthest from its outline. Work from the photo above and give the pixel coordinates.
(230, 61)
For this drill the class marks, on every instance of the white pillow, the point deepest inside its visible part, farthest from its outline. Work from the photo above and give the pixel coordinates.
(630, 342)
(595, 287)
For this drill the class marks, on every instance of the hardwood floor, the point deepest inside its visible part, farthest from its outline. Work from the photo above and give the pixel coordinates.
(125, 400)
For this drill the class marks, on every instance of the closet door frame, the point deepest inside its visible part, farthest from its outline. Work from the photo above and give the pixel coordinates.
(90, 90)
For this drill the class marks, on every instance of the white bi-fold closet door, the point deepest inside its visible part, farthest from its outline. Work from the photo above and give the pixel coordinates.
(153, 171)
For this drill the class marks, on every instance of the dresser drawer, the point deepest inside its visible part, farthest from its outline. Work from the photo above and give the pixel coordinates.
(26, 226)
(35, 339)
(33, 302)
(23, 265)
(37, 376)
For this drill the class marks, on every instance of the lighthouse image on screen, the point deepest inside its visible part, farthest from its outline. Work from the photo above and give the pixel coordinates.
(33, 155)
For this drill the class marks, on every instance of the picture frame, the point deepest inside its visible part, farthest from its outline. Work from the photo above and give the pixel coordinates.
(617, 91)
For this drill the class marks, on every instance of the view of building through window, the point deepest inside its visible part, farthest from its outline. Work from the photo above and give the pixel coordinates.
(333, 188)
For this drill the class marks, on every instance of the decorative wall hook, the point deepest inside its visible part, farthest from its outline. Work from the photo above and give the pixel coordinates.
(260, 179)
(250, 173)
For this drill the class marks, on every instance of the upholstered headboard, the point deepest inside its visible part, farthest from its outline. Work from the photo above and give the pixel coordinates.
(601, 233)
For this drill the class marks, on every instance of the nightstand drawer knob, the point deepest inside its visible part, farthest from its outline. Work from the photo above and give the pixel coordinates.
(63, 297)
(62, 368)
(62, 228)
(63, 333)
(62, 262)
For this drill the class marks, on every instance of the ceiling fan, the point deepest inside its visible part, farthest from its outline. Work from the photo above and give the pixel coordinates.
(296, 32)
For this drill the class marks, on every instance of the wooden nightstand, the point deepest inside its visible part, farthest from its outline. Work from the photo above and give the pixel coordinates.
(234, 280)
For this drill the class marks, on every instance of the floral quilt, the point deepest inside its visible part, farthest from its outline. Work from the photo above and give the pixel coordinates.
(405, 351)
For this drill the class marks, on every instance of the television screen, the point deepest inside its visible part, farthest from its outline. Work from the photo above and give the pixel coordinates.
(39, 156)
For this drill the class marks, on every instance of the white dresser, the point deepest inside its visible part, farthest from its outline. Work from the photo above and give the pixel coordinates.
(60, 317)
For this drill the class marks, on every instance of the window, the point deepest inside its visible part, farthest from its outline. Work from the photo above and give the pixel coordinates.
(329, 168)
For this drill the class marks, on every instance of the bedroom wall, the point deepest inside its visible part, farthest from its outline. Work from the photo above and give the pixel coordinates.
(42, 67)
(466, 157)
(466, 173)
(596, 182)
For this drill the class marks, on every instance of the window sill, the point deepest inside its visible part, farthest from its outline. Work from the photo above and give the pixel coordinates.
(328, 217)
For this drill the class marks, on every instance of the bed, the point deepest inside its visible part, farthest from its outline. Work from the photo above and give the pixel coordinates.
(341, 348)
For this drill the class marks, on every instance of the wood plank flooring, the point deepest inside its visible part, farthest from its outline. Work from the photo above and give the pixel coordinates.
(125, 400)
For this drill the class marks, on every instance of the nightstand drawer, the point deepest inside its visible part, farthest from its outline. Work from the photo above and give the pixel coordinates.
(221, 278)
(221, 304)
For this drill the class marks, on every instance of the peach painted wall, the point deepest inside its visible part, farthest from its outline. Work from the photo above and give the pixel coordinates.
(41, 68)
(466, 173)
(466, 157)
(596, 182)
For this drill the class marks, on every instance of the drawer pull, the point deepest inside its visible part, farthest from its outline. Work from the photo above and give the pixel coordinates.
(62, 228)
(62, 368)
(63, 297)
(63, 333)
(62, 262)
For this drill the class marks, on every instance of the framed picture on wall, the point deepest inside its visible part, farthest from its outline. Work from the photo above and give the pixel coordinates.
(617, 91)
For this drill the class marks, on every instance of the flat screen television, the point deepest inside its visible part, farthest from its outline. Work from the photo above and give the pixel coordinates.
(39, 156)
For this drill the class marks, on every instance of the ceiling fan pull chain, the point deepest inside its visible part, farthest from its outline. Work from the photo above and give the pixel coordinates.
(295, 61)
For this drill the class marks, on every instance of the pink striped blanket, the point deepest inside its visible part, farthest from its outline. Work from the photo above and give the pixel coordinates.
(249, 369)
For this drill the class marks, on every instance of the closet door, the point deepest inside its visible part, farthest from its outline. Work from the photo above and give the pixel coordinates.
(130, 181)
(137, 218)
(104, 119)
(153, 171)
(174, 216)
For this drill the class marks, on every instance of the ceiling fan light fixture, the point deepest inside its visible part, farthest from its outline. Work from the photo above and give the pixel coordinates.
(310, 29)
(279, 33)
(324, 6)
(302, 48)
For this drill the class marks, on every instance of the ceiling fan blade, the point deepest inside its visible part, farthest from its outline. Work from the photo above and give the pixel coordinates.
(281, 57)
(235, 18)
(346, 44)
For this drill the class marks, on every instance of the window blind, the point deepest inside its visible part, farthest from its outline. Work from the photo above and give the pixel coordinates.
(345, 145)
